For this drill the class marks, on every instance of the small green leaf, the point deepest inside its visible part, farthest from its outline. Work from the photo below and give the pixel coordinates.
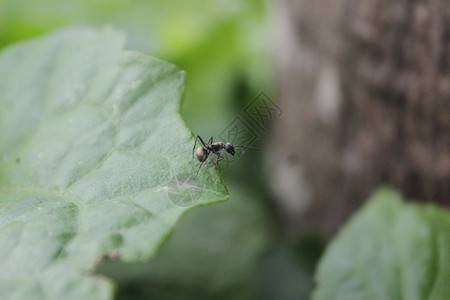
(94, 161)
(389, 250)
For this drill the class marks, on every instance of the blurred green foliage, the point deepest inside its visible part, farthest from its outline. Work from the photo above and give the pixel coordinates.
(214, 253)
(223, 45)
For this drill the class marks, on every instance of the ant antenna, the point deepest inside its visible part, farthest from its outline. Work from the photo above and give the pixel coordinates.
(248, 147)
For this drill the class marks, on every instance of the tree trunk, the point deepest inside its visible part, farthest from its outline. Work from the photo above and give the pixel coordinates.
(365, 90)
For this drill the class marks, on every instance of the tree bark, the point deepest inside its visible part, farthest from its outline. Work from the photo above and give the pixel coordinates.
(365, 90)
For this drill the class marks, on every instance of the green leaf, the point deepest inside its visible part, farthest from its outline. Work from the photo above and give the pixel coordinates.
(389, 250)
(94, 161)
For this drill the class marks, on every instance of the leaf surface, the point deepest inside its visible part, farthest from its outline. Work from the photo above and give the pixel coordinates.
(389, 250)
(94, 161)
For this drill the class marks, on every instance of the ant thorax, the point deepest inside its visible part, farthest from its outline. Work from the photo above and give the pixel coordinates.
(217, 146)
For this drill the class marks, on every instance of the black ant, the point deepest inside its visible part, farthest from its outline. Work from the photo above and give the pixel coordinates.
(203, 153)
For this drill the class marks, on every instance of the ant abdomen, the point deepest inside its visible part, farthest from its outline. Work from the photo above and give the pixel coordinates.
(201, 154)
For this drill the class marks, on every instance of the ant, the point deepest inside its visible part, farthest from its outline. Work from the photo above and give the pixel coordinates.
(203, 153)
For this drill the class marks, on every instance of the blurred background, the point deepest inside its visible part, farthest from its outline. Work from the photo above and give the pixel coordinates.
(340, 97)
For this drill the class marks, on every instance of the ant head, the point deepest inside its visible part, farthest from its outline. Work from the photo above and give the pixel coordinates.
(201, 153)
(229, 148)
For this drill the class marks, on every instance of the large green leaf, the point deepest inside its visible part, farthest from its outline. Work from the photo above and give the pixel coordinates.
(389, 250)
(95, 161)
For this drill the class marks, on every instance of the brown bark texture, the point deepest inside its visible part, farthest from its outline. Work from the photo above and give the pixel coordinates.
(364, 86)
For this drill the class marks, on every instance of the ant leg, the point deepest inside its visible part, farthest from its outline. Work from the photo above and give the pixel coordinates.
(201, 140)
(219, 160)
(207, 155)
(220, 157)
(199, 168)
(210, 141)
(195, 144)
